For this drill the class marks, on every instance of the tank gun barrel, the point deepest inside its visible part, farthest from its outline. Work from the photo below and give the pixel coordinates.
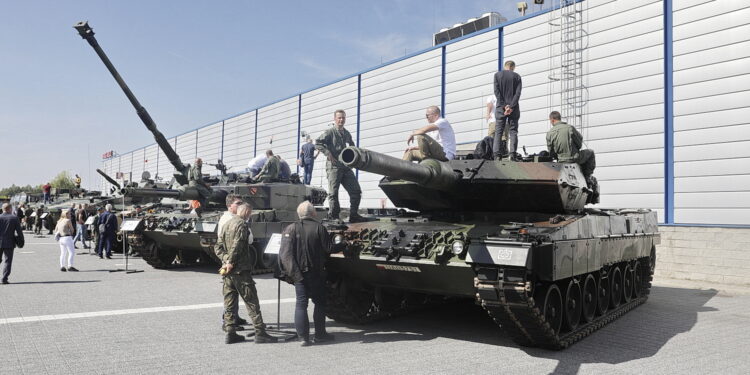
(87, 33)
(108, 178)
(429, 172)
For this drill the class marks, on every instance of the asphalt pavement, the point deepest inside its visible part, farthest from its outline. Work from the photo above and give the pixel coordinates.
(169, 321)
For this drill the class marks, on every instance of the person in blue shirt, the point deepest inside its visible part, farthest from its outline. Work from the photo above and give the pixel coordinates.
(307, 156)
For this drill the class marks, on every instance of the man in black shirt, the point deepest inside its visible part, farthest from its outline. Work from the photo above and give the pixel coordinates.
(507, 112)
(304, 248)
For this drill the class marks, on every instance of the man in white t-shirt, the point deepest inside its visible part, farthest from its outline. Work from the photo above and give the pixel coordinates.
(436, 140)
(256, 164)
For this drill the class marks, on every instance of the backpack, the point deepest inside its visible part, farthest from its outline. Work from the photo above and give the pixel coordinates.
(484, 149)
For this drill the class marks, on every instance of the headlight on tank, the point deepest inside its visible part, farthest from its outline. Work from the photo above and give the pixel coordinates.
(338, 239)
(458, 247)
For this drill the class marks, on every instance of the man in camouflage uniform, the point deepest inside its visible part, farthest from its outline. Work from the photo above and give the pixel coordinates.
(195, 180)
(238, 280)
(331, 143)
(564, 144)
(270, 170)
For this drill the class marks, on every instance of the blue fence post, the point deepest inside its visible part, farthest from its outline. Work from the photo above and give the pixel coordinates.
(255, 136)
(442, 83)
(668, 116)
(299, 128)
(359, 113)
(500, 49)
(221, 151)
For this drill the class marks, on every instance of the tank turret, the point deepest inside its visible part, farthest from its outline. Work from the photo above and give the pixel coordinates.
(475, 184)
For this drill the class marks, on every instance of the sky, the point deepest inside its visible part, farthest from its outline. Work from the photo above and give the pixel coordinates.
(190, 63)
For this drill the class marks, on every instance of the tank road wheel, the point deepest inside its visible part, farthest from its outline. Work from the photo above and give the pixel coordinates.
(627, 283)
(616, 296)
(158, 257)
(573, 303)
(188, 257)
(589, 298)
(552, 308)
(253, 255)
(604, 291)
(637, 279)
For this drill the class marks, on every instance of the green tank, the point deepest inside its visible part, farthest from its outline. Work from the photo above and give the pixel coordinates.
(170, 231)
(515, 237)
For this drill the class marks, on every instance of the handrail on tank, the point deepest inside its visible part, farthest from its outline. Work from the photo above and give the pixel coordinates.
(87, 33)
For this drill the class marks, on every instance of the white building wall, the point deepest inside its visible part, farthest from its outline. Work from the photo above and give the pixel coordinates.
(165, 168)
(317, 115)
(139, 158)
(624, 74)
(393, 102)
(186, 147)
(711, 96)
(239, 141)
(209, 147)
(151, 160)
(470, 66)
(277, 129)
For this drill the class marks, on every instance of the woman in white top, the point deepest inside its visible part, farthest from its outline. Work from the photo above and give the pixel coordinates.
(67, 250)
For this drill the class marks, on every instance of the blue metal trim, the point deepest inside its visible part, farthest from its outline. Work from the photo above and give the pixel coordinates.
(299, 128)
(500, 42)
(359, 114)
(255, 135)
(222, 141)
(741, 226)
(442, 83)
(668, 115)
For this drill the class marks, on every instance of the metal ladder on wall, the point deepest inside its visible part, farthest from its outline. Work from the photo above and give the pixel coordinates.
(568, 44)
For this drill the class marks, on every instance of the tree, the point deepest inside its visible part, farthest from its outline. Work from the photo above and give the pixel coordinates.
(63, 181)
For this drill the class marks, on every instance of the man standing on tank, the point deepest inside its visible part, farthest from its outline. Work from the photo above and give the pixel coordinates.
(307, 157)
(508, 93)
(195, 179)
(331, 143)
(234, 247)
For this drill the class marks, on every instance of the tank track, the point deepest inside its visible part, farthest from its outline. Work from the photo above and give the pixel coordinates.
(511, 305)
(362, 307)
(137, 242)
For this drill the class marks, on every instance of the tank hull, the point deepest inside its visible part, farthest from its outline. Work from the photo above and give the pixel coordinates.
(511, 266)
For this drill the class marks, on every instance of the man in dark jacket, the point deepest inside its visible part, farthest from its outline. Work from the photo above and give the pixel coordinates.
(507, 113)
(10, 228)
(108, 231)
(304, 247)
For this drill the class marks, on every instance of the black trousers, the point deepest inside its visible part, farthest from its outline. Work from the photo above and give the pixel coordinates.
(502, 121)
(7, 259)
(311, 287)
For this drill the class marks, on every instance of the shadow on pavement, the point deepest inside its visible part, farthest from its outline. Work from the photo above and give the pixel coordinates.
(640, 333)
(54, 282)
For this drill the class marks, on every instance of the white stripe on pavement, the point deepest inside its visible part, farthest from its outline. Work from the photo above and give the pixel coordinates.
(39, 318)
